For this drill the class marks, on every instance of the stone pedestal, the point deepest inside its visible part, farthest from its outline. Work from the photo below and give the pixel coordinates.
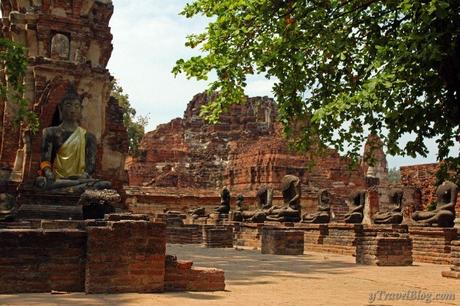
(384, 245)
(218, 237)
(455, 268)
(282, 241)
(432, 244)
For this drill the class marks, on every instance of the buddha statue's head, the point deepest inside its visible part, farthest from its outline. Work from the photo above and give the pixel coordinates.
(70, 106)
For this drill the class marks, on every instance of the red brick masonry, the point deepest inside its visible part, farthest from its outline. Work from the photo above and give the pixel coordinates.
(455, 268)
(181, 277)
(102, 257)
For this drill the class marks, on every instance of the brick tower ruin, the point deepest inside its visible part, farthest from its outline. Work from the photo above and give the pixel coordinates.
(67, 42)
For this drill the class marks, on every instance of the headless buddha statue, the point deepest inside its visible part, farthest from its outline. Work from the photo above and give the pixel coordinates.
(68, 152)
(264, 202)
(290, 186)
(357, 200)
(224, 207)
(444, 214)
(393, 216)
(323, 214)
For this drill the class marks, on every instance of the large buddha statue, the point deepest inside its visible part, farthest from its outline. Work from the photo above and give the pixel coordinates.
(393, 216)
(444, 214)
(68, 151)
(323, 214)
(290, 187)
(356, 212)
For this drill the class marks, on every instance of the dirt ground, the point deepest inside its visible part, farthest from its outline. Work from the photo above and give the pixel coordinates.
(256, 279)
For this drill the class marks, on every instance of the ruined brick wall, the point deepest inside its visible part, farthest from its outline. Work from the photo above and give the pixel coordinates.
(422, 177)
(126, 256)
(244, 151)
(42, 260)
(123, 253)
(115, 145)
(181, 276)
(187, 152)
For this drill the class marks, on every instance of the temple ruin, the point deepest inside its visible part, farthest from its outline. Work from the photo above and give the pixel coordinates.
(232, 185)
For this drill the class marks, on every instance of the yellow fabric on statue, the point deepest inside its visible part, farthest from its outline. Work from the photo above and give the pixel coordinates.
(70, 159)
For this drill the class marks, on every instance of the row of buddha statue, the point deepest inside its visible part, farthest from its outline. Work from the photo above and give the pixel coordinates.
(443, 215)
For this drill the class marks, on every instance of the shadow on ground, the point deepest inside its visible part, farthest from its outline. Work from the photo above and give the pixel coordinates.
(248, 266)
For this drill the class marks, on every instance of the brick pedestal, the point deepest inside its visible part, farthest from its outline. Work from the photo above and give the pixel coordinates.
(455, 268)
(126, 256)
(218, 237)
(37, 260)
(314, 235)
(249, 235)
(338, 238)
(343, 238)
(282, 241)
(384, 246)
(185, 234)
(42, 205)
(432, 244)
(123, 253)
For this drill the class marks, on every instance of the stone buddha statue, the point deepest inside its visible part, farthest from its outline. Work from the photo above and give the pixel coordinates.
(68, 152)
(290, 187)
(264, 202)
(224, 207)
(393, 216)
(323, 214)
(444, 214)
(357, 200)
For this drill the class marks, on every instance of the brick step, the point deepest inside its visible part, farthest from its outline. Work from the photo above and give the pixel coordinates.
(16, 225)
(50, 212)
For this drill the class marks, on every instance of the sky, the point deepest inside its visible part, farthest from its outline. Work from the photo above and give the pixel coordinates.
(148, 38)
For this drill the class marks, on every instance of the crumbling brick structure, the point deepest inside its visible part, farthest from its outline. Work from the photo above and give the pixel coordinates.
(67, 42)
(123, 253)
(423, 177)
(244, 151)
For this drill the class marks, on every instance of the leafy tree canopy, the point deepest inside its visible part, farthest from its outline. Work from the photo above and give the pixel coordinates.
(135, 125)
(342, 68)
(13, 64)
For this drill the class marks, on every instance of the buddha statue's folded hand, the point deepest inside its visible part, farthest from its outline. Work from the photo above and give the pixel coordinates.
(49, 175)
(85, 175)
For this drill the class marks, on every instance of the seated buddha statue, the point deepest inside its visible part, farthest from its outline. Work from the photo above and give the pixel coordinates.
(323, 214)
(393, 216)
(356, 213)
(444, 214)
(264, 202)
(68, 152)
(224, 207)
(290, 212)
